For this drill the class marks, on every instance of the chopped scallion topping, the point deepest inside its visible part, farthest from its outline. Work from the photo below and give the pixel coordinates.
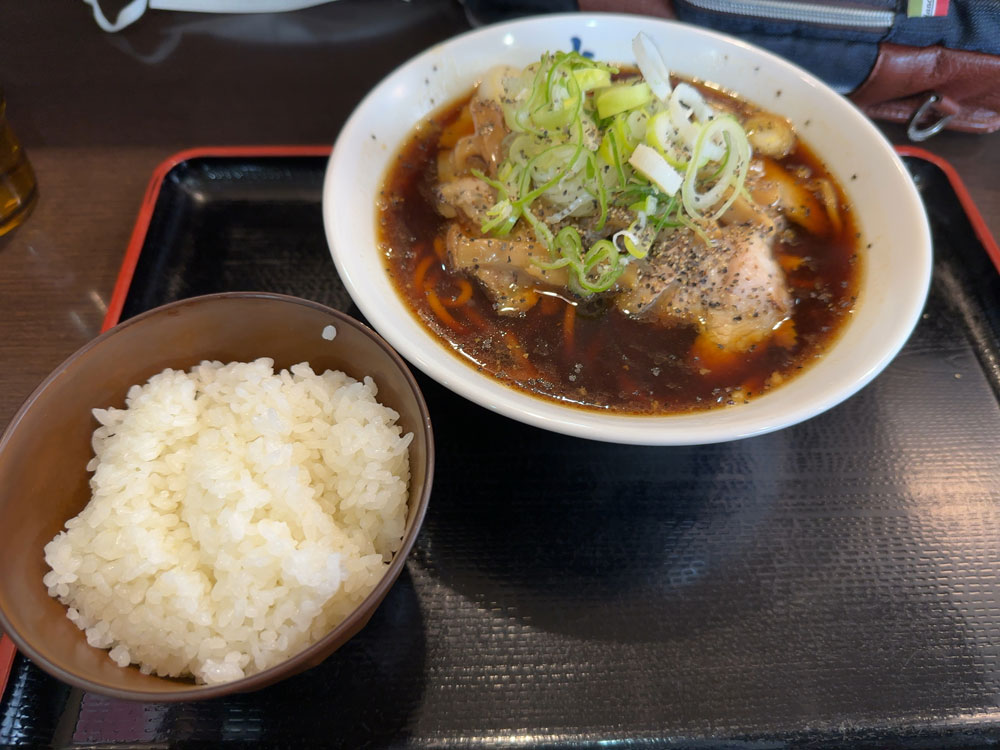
(582, 142)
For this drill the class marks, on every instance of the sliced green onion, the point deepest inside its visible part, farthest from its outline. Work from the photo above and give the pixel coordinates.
(611, 151)
(503, 214)
(629, 241)
(660, 133)
(635, 125)
(581, 143)
(603, 257)
(688, 113)
(656, 169)
(520, 119)
(670, 217)
(602, 190)
(542, 232)
(618, 99)
(651, 65)
(712, 203)
(602, 253)
(592, 78)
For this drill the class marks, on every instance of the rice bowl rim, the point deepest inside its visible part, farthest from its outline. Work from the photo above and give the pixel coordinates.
(350, 625)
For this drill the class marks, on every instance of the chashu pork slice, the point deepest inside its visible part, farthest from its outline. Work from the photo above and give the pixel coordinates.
(505, 267)
(735, 292)
(484, 148)
(465, 198)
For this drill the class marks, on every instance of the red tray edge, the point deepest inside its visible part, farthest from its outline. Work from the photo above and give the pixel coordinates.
(964, 196)
(138, 237)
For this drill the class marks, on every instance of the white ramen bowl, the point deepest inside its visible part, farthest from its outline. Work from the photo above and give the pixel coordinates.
(896, 267)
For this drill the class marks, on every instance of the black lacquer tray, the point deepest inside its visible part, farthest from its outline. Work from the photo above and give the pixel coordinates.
(833, 583)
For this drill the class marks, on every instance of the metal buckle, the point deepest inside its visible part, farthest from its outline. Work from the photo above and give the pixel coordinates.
(917, 133)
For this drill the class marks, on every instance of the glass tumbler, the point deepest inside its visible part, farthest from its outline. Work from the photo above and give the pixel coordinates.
(17, 180)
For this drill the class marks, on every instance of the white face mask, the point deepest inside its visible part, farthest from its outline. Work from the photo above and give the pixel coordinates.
(134, 10)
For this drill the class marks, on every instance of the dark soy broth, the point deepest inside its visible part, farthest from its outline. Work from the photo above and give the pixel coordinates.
(586, 352)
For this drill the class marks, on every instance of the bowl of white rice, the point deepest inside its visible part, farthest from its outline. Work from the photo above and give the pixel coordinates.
(210, 497)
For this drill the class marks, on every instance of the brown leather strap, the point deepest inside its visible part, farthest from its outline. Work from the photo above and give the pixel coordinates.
(967, 85)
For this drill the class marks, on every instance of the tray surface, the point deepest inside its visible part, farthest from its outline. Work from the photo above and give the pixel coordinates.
(835, 581)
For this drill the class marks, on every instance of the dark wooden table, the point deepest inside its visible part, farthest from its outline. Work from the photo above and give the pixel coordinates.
(97, 112)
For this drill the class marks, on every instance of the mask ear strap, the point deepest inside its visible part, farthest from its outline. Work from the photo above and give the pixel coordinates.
(126, 16)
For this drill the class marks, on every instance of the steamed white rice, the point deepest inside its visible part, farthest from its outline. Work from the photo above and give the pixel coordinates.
(237, 515)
